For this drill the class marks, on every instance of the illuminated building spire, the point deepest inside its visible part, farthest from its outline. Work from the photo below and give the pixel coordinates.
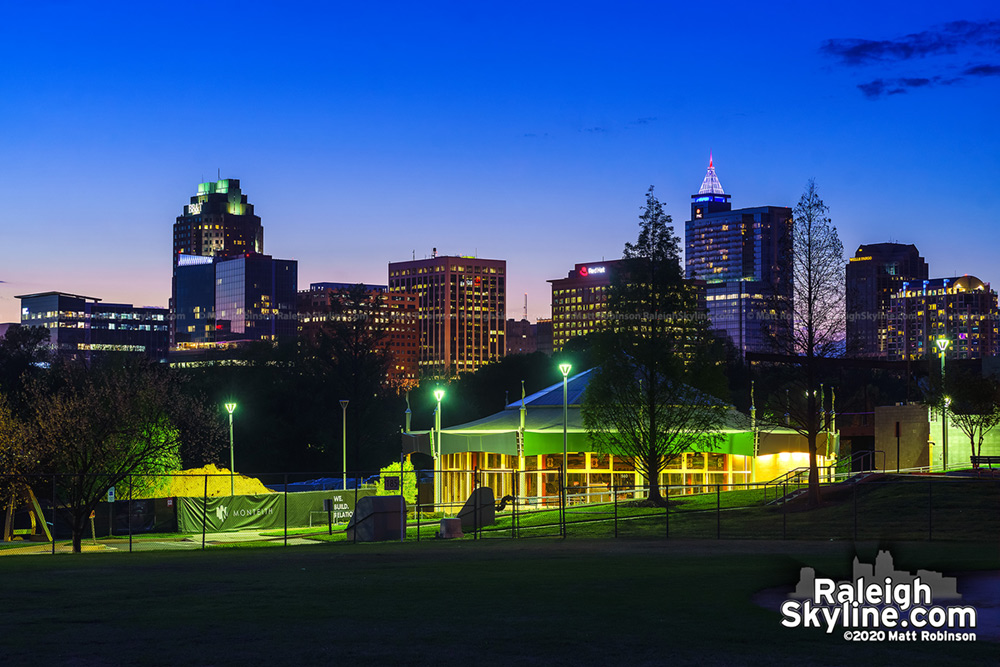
(711, 185)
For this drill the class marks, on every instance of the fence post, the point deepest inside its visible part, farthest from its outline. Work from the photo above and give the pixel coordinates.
(204, 512)
(718, 512)
(513, 507)
(130, 513)
(285, 503)
(930, 511)
(475, 502)
(354, 514)
(784, 509)
(614, 495)
(666, 507)
(855, 511)
(53, 514)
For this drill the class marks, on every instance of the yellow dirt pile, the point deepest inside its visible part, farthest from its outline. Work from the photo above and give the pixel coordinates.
(191, 483)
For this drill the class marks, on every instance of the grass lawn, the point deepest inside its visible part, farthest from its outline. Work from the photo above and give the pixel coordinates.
(536, 602)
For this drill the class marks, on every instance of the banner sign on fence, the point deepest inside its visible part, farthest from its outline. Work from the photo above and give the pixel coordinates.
(265, 511)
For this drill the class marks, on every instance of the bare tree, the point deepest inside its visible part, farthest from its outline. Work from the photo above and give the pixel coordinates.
(650, 398)
(815, 327)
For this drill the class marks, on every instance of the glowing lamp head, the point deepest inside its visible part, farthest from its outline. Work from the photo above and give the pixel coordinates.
(565, 369)
(230, 408)
(439, 394)
(947, 401)
(943, 344)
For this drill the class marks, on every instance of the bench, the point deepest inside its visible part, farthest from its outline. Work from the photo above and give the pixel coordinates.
(985, 460)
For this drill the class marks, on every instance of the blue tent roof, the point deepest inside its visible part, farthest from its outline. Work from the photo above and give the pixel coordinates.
(553, 397)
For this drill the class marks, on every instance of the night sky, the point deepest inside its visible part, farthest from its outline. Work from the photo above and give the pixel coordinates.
(509, 130)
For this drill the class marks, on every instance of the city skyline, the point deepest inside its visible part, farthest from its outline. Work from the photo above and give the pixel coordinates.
(369, 136)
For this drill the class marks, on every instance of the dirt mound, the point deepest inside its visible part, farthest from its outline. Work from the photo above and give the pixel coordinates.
(191, 483)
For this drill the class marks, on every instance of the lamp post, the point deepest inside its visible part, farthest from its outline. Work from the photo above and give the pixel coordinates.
(230, 408)
(343, 423)
(942, 345)
(565, 369)
(439, 396)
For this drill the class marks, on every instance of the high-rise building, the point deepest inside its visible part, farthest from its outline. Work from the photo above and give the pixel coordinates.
(395, 319)
(874, 274)
(224, 288)
(579, 300)
(745, 257)
(961, 309)
(461, 304)
(218, 222)
(81, 327)
(246, 297)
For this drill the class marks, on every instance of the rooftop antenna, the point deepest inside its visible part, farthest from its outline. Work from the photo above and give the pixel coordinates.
(526, 306)
(414, 254)
(220, 174)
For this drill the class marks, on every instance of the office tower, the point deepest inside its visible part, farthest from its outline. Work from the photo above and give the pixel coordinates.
(745, 257)
(961, 309)
(461, 305)
(81, 327)
(874, 274)
(218, 222)
(246, 297)
(224, 289)
(390, 316)
(579, 301)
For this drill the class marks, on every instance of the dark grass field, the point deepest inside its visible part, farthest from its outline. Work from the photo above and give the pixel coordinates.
(494, 602)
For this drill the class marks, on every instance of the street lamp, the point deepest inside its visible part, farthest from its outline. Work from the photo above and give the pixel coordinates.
(343, 423)
(565, 369)
(438, 395)
(942, 345)
(230, 408)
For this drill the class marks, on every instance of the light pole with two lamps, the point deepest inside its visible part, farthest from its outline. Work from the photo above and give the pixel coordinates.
(231, 408)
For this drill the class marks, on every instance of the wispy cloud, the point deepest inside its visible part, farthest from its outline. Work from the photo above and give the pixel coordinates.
(948, 38)
(595, 130)
(642, 121)
(968, 40)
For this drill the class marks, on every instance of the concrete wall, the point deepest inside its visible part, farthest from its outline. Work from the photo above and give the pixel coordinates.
(914, 433)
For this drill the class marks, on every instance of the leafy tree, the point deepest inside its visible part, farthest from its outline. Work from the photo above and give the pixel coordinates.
(973, 402)
(816, 327)
(23, 350)
(651, 397)
(118, 418)
(409, 481)
(19, 461)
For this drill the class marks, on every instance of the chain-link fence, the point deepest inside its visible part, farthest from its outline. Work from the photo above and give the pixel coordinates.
(60, 513)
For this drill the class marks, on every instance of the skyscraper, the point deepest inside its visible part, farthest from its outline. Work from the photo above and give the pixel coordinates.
(962, 309)
(224, 288)
(874, 274)
(461, 306)
(745, 257)
(218, 222)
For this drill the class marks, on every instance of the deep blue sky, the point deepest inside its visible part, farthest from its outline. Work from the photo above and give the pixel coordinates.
(518, 131)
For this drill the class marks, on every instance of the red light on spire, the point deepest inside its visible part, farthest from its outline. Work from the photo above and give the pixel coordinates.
(710, 160)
